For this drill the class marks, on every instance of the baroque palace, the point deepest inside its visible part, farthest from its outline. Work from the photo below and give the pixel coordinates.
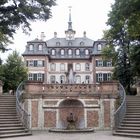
(67, 77)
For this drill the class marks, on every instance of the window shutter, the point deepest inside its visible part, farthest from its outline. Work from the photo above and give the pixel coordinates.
(96, 63)
(96, 77)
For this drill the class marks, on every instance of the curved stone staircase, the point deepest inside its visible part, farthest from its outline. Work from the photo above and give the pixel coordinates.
(130, 125)
(10, 125)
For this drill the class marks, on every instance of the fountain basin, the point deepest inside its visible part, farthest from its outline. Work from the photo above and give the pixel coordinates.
(84, 130)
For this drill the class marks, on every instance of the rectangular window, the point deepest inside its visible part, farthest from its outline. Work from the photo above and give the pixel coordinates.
(109, 64)
(40, 63)
(53, 67)
(62, 67)
(35, 63)
(78, 67)
(108, 76)
(30, 76)
(30, 63)
(87, 67)
(99, 77)
(99, 63)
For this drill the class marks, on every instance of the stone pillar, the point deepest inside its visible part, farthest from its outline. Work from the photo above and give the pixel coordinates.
(1, 87)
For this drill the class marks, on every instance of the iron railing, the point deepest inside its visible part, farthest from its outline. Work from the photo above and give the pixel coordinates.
(22, 113)
(120, 112)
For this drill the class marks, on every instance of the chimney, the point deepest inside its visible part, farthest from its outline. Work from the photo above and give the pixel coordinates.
(42, 36)
(55, 34)
(84, 34)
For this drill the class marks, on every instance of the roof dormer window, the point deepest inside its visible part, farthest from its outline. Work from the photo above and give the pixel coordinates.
(70, 52)
(69, 43)
(86, 52)
(62, 52)
(99, 47)
(81, 43)
(57, 43)
(77, 52)
(53, 52)
(31, 47)
(40, 47)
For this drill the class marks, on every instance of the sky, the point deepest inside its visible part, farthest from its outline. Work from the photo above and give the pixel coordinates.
(87, 15)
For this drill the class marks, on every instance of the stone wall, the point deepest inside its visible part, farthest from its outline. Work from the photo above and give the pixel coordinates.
(91, 109)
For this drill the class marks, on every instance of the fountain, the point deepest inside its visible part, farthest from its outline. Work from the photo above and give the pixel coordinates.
(71, 119)
(71, 77)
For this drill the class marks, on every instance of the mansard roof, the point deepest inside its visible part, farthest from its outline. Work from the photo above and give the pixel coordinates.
(63, 42)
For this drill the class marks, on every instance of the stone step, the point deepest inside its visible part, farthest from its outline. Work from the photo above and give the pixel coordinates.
(130, 122)
(128, 131)
(126, 134)
(131, 125)
(10, 114)
(131, 119)
(12, 131)
(128, 128)
(9, 121)
(12, 128)
(14, 135)
(11, 125)
(8, 117)
(132, 116)
(3, 107)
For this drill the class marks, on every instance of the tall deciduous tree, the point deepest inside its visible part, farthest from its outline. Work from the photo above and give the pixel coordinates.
(16, 13)
(124, 35)
(13, 71)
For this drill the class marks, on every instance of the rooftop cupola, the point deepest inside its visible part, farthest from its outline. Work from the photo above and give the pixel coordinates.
(70, 32)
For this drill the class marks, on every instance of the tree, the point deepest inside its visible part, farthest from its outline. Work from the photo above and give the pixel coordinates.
(16, 13)
(124, 36)
(14, 71)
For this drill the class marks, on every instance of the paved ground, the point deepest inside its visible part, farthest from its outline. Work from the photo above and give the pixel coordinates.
(98, 135)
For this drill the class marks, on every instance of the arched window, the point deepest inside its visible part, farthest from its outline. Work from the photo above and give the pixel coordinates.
(87, 79)
(62, 52)
(69, 52)
(86, 52)
(53, 52)
(77, 52)
(62, 79)
(78, 79)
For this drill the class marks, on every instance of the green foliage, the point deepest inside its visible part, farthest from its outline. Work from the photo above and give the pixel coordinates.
(16, 13)
(124, 37)
(13, 72)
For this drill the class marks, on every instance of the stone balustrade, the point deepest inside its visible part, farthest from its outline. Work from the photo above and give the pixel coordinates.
(39, 87)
